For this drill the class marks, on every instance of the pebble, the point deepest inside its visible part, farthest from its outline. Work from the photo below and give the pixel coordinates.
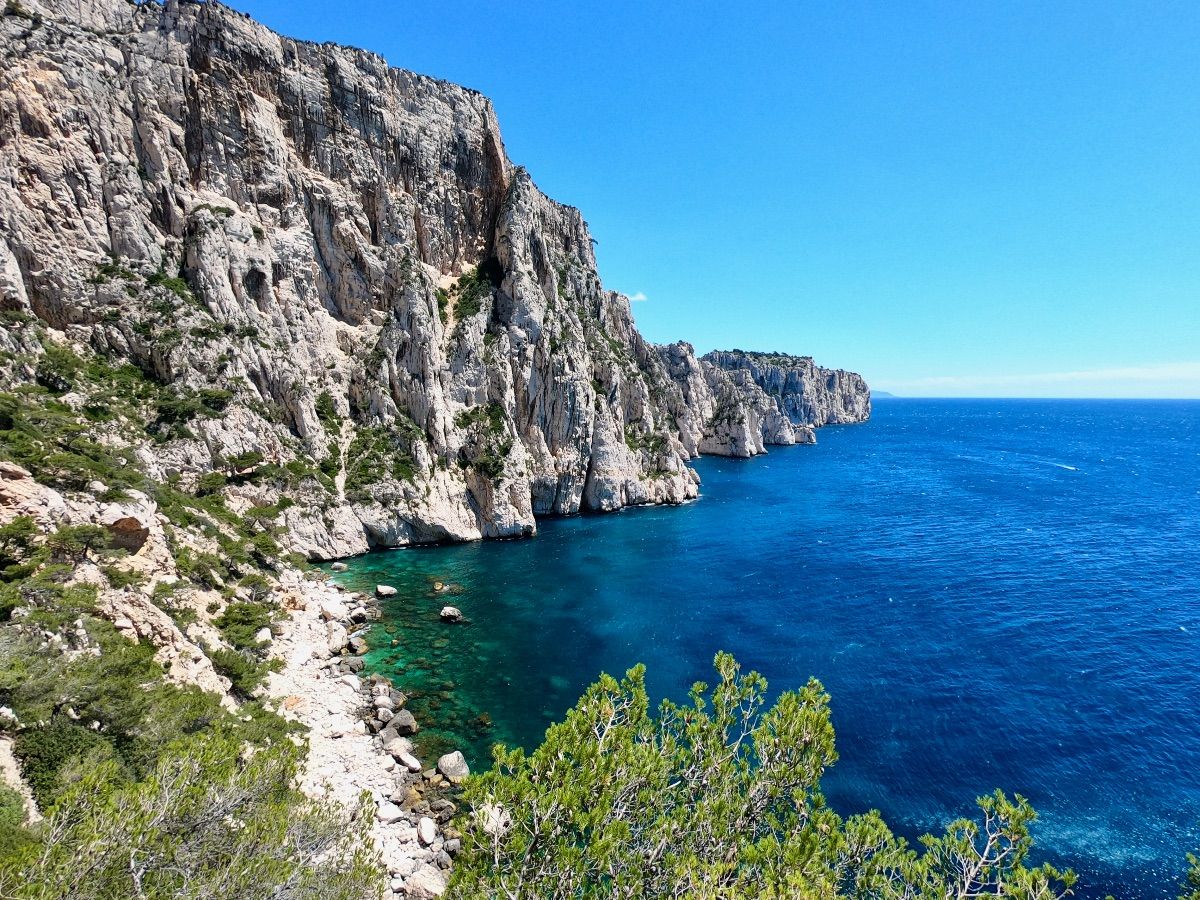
(389, 812)
(409, 761)
(404, 866)
(426, 830)
(404, 723)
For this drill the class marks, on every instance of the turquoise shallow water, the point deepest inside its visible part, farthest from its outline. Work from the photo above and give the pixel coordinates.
(995, 593)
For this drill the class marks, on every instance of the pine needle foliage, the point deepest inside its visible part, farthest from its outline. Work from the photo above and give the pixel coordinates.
(718, 798)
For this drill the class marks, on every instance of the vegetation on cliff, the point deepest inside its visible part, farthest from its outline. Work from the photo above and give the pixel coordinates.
(150, 789)
(150, 786)
(207, 820)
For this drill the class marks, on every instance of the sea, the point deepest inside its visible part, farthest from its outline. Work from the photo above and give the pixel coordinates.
(995, 593)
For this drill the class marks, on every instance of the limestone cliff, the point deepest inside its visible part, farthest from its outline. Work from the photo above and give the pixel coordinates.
(806, 393)
(342, 279)
(738, 403)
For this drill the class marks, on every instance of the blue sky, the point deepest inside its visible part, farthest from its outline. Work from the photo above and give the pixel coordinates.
(985, 198)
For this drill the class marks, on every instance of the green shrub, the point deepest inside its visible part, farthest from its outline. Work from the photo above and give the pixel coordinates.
(178, 409)
(1190, 889)
(489, 445)
(211, 483)
(57, 369)
(121, 578)
(264, 548)
(19, 550)
(57, 445)
(221, 212)
(244, 670)
(489, 416)
(637, 439)
(490, 462)
(14, 837)
(244, 461)
(473, 288)
(176, 285)
(375, 453)
(214, 400)
(242, 620)
(14, 8)
(45, 752)
(327, 413)
(209, 821)
(75, 543)
(719, 798)
(12, 807)
(120, 696)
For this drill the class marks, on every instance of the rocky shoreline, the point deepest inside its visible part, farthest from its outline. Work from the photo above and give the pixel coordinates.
(359, 735)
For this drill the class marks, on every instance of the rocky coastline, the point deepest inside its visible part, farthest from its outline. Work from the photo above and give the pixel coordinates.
(359, 735)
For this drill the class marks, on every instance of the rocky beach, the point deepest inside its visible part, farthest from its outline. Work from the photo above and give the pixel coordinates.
(359, 735)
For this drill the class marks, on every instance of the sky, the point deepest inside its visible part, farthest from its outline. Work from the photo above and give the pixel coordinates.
(954, 199)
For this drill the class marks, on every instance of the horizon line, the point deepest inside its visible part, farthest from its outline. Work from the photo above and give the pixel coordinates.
(889, 395)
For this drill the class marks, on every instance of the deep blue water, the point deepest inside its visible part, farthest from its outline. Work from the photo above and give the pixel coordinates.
(996, 594)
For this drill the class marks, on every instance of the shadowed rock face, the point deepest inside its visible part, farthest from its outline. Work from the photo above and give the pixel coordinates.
(346, 249)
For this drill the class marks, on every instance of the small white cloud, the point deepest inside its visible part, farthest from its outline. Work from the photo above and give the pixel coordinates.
(638, 297)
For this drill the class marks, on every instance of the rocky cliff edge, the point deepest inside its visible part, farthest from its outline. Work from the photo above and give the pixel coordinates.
(340, 282)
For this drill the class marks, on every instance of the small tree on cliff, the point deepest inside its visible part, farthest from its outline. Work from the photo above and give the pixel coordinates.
(719, 798)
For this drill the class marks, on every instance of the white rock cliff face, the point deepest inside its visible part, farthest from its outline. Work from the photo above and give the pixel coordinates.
(343, 251)
(805, 392)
